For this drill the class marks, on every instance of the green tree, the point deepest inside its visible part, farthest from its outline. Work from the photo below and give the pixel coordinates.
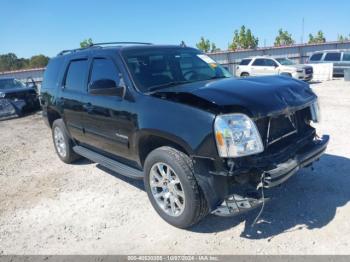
(283, 38)
(9, 62)
(342, 38)
(86, 43)
(318, 38)
(206, 46)
(38, 61)
(243, 39)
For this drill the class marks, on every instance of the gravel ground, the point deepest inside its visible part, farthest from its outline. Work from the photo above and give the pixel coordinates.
(48, 207)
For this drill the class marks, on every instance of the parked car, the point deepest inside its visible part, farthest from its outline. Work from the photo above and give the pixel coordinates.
(262, 65)
(339, 58)
(16, 97)
(202, 141)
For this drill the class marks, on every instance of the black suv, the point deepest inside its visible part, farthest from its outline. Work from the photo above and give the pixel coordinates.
(203, 141)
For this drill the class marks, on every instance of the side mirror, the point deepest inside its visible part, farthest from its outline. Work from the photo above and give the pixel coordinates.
(106, 87)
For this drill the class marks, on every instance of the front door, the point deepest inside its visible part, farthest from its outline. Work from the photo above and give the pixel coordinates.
(108, 122)
(258, 67)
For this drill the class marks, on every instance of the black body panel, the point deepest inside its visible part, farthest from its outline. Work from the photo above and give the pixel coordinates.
(121, 128)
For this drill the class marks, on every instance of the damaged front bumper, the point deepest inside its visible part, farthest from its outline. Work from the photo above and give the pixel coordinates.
(303, 158)
(229, 194)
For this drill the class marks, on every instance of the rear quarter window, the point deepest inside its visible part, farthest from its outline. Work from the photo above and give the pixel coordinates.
(316, 57)
(332, 57)
(52, 73)
(245, 62)
(346, 57)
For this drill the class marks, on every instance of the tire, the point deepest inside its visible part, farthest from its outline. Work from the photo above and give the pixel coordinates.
(62, 142)
(194, 205)
(244, 74)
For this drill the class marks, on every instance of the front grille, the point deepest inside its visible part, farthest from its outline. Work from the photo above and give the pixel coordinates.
(283, 128)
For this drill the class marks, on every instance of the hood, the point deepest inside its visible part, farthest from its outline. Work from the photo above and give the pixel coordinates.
(297, 66)
(260, 96)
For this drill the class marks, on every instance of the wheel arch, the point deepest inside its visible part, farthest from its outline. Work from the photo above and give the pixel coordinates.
(52, 115)
(148, 140)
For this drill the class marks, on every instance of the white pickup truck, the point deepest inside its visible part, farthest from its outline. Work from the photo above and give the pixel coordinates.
(262, 65)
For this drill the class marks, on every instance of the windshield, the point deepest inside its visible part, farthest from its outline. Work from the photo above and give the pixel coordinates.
(10, 83)
(159, 68)
(285, 61)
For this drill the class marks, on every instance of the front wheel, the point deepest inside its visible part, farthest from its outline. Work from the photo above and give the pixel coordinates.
(172, 187)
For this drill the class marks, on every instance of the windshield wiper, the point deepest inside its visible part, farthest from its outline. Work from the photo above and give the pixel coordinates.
(169, 84)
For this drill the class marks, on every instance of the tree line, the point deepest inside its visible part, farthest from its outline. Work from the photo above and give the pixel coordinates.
(10, 62)
(245, 39)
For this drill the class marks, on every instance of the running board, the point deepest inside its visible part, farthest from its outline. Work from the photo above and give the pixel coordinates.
(108, 162)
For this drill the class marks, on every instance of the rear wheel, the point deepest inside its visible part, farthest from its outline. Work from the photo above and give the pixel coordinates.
(172, 187)
(244, 74)
(62, 142)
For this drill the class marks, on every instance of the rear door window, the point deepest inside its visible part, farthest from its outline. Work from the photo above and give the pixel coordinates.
(332, 57)
(245, 62)
(316, 57)
(259, 62)
(76, 75)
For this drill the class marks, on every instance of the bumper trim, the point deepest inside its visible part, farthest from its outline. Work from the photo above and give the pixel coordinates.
(303, 158)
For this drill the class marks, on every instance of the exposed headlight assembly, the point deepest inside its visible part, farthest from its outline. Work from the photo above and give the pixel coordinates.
(236, 135)
(315, 112)
(2, 95)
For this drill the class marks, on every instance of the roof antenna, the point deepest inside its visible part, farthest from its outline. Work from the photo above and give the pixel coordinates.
(183, 44)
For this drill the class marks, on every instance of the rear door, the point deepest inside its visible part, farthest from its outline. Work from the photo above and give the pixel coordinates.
(70, 97)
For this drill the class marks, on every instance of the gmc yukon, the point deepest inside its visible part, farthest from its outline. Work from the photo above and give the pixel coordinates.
(202, 141)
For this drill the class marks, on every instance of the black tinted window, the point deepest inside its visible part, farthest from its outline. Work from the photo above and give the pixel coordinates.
(245, 62)
(346, 57)
(104, 69)
(316, 57)
(269, 62)
(52, 73)
(76, 75)
(259, 62)
(332, 57)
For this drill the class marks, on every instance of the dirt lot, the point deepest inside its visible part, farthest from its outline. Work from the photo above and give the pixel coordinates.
(48, 207)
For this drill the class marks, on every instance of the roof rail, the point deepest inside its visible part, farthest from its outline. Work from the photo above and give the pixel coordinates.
(63, 52)
(120, 43)
(99, 45)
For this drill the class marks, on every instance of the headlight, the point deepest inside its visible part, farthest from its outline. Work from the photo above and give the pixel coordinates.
(2, 95)
(315, 112)
(236, 135)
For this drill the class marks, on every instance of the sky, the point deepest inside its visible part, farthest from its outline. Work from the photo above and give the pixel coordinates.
(46, 27)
